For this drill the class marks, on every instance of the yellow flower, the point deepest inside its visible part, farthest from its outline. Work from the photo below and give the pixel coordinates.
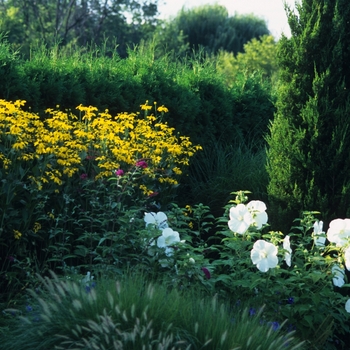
(163, 109)
(145, 107)
(177, 171)
(145, 190)
(17, 234)
(62, 143)
(36, 227)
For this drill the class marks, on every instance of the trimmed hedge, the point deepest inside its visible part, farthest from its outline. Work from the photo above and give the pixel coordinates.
(200, 103)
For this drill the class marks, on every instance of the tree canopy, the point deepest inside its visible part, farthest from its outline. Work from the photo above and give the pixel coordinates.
(209, 27)
(83, 22)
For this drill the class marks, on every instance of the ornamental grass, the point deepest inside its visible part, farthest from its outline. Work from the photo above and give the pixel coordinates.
(133, 313)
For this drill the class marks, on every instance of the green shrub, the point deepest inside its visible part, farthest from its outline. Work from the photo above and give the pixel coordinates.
(73, 185)
(296, 274)
(259, 55)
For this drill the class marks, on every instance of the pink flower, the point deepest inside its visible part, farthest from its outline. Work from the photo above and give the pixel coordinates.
(84, 176)
(206, 272)
(141, 164)
(153, 194)
(119, 172)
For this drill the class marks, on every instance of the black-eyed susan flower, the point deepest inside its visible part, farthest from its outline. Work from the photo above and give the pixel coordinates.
(17, 234)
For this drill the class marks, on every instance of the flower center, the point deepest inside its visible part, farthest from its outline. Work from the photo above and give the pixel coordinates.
(263, 255)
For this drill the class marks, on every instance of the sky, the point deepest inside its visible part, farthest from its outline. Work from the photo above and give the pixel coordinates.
(272, 11)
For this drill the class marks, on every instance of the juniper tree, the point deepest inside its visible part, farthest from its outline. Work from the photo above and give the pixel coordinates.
(308, 156)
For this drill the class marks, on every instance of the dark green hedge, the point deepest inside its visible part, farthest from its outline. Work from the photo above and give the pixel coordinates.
(200, 104)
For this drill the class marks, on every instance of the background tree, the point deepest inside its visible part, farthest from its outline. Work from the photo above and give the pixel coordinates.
(82, 22)
(210, 27)
(259, 56)
(308, 155)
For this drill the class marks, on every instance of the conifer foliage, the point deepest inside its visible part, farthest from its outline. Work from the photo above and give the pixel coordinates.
(308, 157)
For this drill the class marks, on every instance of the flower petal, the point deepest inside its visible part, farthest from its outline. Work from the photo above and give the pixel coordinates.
(150, 218)
(257, 206)
(161, 242)
(338, 276)
(347, 306)
(347, 258)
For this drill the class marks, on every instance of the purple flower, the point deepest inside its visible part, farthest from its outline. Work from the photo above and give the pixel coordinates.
(291, 328)
(275, 325)
(290, 300)
(29, 308)
(11, 258)
(119, 172)
(141, 164)
(206, 272)
(89, 287)
(84, 176)
(252, 311)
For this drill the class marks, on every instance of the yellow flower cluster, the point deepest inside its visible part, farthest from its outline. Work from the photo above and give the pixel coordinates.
(17, 234)
(36, 227)
(62, 143)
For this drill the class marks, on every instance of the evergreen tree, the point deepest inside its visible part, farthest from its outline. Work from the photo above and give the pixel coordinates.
(309, 142)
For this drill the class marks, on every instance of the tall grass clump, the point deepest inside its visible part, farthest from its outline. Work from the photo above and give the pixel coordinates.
(225, 166)
(132, 313)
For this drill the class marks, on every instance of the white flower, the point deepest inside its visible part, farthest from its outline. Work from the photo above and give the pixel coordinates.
(338, 276)
(164, 262)
(318, 230)
(288, 253)
(240, 219)
(86, 279)
(347, 258)
(168, 237)
(191, 261)
(347, 306)
(258, 211)
(159, 220)
(264, 255)
(339, 231)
